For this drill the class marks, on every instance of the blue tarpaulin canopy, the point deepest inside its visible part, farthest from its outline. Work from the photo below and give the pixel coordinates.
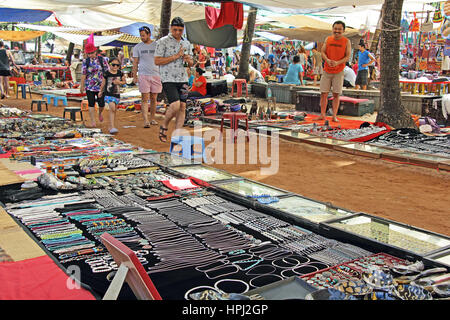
(23, 15)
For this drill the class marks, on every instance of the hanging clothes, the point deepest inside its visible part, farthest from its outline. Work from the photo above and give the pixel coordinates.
(229, 13)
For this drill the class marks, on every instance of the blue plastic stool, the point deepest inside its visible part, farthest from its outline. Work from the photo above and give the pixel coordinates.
(48, 97)
(187, 146)
(57, 99)
(23, 87)
(280, 77)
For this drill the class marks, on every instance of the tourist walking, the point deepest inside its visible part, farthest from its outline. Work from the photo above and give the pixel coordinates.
(94, 66)
(171, 54)
(146, 73)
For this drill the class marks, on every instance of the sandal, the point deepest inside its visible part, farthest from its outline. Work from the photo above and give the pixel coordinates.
(154, 122)
(147, 125)
(162, 135)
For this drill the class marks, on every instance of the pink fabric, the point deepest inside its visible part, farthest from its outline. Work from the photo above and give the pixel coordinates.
(229, 13)
(38, 279)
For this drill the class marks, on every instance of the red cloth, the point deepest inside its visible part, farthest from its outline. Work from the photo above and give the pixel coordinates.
(202, 88)
(38, 279)
(229, 13)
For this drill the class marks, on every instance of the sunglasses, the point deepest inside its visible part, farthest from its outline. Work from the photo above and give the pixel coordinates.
(115, 64)
(147, 29)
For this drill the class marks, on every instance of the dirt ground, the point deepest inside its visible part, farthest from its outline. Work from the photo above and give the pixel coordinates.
(405, 193)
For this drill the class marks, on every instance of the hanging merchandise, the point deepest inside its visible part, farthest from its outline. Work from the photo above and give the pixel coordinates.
(427, 26)
(446, 9)
(437, 17)
(415, 25)
(447, 48)
(404, 24)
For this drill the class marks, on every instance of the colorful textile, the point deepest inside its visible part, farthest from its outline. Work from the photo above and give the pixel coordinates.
(229, 13)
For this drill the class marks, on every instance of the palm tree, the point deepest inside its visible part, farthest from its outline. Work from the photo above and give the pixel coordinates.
(246, 44)
(166, 11)
(391, 111)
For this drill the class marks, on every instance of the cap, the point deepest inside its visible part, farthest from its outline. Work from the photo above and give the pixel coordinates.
(89, 48)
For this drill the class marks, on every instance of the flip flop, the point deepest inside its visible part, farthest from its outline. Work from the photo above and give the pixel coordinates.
(162, 135)
(154, 122)
(147, 126)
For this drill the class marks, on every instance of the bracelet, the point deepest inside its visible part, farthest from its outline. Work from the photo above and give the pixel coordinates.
(186, 295)
(216, 285)
(251, 282)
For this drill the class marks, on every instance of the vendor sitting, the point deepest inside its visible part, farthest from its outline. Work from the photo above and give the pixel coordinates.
(294, 75)
(198, 89)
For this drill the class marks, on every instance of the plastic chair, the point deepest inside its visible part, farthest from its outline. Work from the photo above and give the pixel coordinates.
(39, 104)
(187, 144)
(73, 113)
(23, 87)
(239, 83)
(56, 99)
(234, 118)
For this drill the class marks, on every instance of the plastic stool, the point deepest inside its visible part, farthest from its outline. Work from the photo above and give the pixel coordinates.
(187, 146)
(56, 99)
(14, 85)
(39, 104)
(85, 105)
(234, 122)
(24, 87)
(49, 97)
(239, 83)
(73, 112)
(280, 77)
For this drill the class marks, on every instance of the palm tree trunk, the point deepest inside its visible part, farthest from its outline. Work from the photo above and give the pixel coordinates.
(70, 52)
(391, 111)
(166, 11)
(246, 44)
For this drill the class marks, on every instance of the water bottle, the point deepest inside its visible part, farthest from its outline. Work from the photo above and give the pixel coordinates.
(269, 93)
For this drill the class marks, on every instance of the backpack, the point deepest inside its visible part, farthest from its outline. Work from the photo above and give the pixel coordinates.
(100, 60)
(427, 26)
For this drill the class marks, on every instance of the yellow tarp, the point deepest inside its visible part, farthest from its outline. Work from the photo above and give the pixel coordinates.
(19, 35)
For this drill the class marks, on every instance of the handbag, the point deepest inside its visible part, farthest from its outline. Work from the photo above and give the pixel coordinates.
(415, 25)
(427, 26)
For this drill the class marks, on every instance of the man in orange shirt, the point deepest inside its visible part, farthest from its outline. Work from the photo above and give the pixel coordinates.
(336, 52)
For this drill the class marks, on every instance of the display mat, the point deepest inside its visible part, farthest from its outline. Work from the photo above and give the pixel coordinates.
(308, 209)
(388, 232)
(248, 188)
(183, 244)
(205, 173)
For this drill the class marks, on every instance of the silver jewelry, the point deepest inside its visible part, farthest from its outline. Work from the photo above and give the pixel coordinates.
(232, 280)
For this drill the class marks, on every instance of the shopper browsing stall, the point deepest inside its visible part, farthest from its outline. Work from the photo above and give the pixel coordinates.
(94, 66)
(294, 74)
(170, 55)
(146, 73)
(365, 58)
(335, 51)
(110, 90)
(5, 71)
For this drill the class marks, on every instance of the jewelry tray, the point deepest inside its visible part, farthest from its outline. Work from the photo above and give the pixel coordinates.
(204, 173)
(290, 288)
(250, 188)
(400, 239)
(165, 159)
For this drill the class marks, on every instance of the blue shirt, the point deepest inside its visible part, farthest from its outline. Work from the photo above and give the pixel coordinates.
(292, 74)
(271, 58)
(363, 58)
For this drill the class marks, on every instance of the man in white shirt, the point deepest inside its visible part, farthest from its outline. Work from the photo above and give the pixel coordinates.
(147, 74)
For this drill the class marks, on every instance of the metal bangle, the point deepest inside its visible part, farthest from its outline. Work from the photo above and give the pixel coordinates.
(232, 280)
(186, 295)
(103, 268)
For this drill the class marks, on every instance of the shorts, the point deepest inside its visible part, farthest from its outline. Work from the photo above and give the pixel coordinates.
(109, 99)
(5, 73)
(318, 69)
(332, 80)
(92, 97)
(176, 91)
(149, 84)
(362, 77)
